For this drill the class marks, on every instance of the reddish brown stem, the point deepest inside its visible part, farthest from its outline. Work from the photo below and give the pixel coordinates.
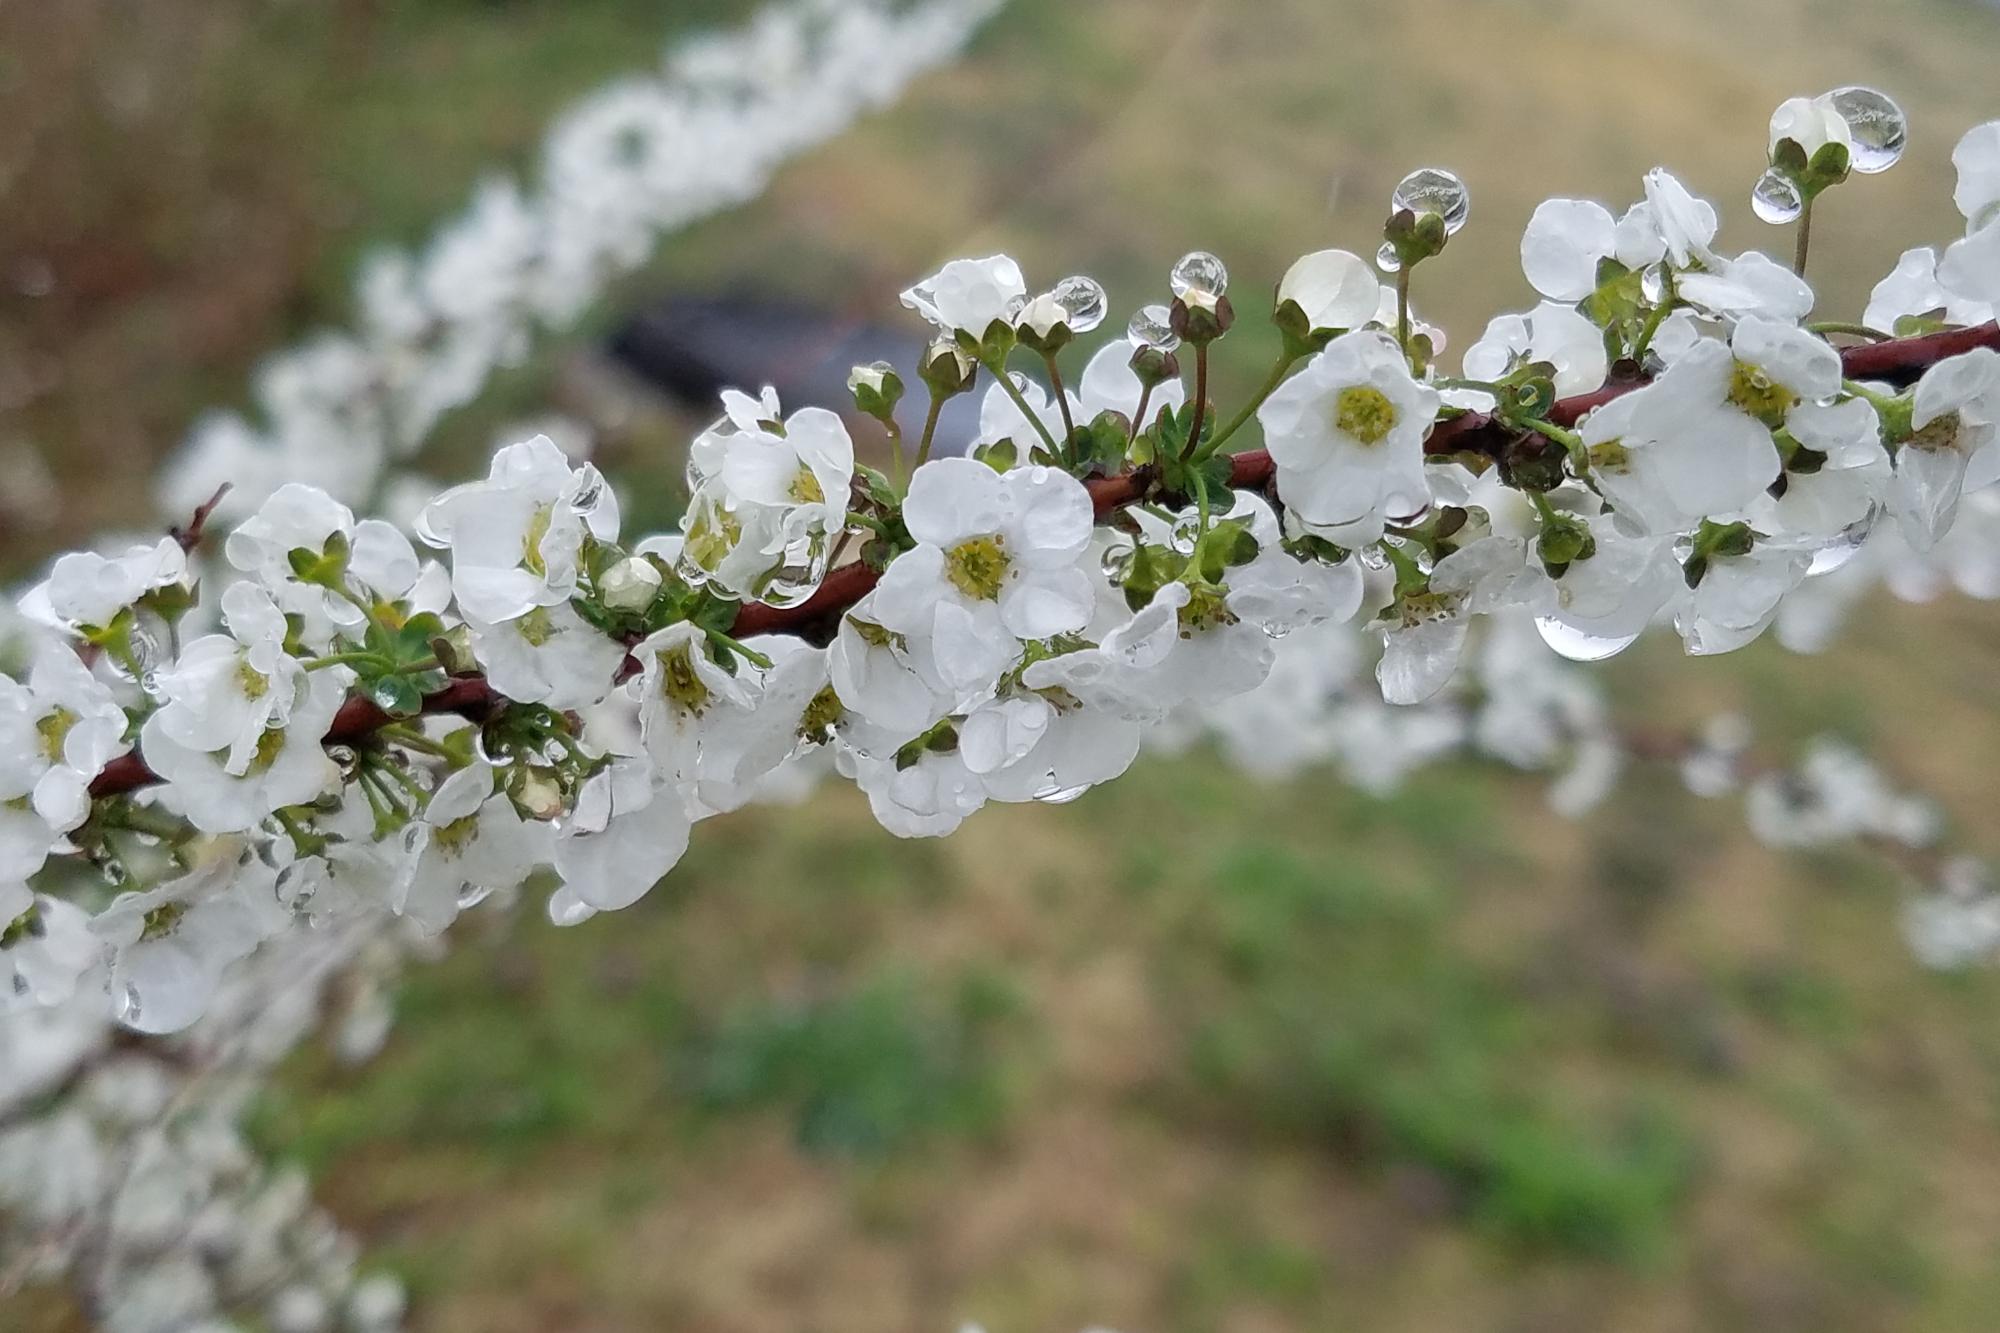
(1898, 361)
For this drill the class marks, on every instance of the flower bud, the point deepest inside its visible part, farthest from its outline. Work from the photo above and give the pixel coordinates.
(947, 369)
(1043, 325)
(877, 388)
(630, 585)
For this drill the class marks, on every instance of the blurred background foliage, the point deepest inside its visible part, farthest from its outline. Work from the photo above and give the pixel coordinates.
(1191, 1053)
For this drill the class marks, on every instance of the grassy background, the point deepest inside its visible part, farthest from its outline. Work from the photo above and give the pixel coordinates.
(1181, 1056)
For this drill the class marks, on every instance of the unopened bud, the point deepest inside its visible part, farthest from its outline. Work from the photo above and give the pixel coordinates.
(877, 388)
(630, 585)
(947, 369)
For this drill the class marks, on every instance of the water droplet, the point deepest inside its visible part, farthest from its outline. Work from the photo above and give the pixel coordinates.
(471, 895)
(1083, 300)
(1577, 645)
(1653, 283)
(1775, 199)
(1841, 548)
(1434, 190)
(1386, 258)
(1057, 795)
(1879, 127)
(427, 530)
(566, 909)
(1199, 271)
(589, 490)
(1150, 328)
(128, 1009)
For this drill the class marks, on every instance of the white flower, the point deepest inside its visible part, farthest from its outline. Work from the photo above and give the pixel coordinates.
(169, 945)
(1970, 269)
(1001, 419)
(1602, 603)
(887, 681)
(1811, 123)
(1564, 242)
(468, 838)
(770, 498)
(226, 691)
(795, 707)
(229, 787)
(1109, 384)
(1334, 289)
(926, 795)
(680, 688)
(626, 833)
(515, 538)
(1750, 284)
(45, 948)
(1424, 636)
(85, 590)
(631, 584)
(1977, 158)
(1696, 443)
(968, 295)
(549, 656)
(1685, 224)
(379, 558)
(1030, 747)
(1839, 494)
(1550, 332)
(1956, 417)
(1347, 434)
(1737, 597)
(55, 734)
(1911, 289)
(998, 560)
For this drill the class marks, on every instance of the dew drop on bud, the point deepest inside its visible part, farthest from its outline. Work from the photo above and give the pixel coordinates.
(1083, 301)
(1386, 258)
(1433, 190)
(1150, 328)
(1200, 272)
(1879, 127)
(1775, 199)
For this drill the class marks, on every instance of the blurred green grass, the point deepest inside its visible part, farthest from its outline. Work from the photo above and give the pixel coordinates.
(1185, 1055)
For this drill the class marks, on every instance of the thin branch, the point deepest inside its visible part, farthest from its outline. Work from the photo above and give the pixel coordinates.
(1898, 361)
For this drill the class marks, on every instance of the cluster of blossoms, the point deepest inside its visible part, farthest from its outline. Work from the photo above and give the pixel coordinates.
(367, 724)
(640, 158)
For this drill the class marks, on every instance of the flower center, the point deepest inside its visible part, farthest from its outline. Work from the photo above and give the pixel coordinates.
(536, 627)
(161, 920)
(822, 713)
(27, 926)
(452, 839)
(254, 683)
(1418, 608)
(1207, 608)
(714, 533)
(1364, 412)
(806, 488)
(680, 683)
(875, 636)
(54, 729)
(1759, 395)
(531, 540)
(977, 567)
(268, 746)
(1939, 434)
(1610, 456)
